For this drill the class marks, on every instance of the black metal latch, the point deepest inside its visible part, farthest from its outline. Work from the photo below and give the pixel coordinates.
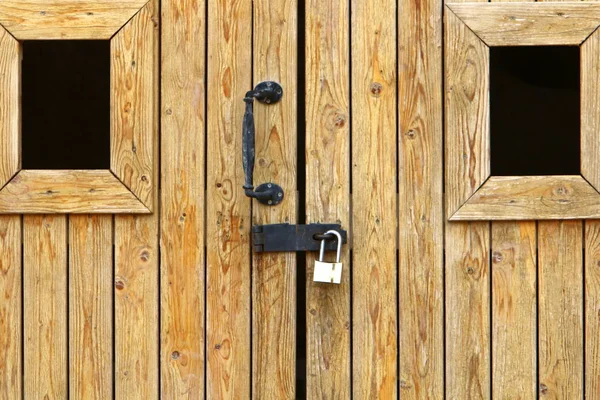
(287, 237)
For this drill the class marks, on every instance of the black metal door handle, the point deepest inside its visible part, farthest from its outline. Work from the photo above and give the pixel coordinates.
(267, 193)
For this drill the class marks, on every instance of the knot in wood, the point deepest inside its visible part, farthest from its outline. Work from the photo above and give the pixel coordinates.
(376, 89)
(497, 257)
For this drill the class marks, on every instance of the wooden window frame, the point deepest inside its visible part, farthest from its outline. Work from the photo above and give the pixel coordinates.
(128, 186)
(471, 192)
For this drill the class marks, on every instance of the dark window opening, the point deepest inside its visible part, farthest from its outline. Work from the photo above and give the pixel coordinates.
(535, 110)
(65, 98)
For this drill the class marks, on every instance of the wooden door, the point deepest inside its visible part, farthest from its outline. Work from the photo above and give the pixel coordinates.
(140, 282)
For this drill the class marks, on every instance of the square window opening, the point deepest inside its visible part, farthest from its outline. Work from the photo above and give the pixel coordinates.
(535, 110)
(65, 102)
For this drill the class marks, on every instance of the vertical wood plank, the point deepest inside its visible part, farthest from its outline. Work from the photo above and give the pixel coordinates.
(274, 275)
(137, 276)
(182, 199)
(10, 308)
(467, 311)
(560, 269)
(467, 276)
(514, 330)
(90, 306)
(421, 217)
(327, 50)
(592, 309)
(228, 209)
(45, 306)
(374, 269)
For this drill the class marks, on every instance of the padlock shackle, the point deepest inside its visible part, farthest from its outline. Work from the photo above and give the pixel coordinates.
(339, 246)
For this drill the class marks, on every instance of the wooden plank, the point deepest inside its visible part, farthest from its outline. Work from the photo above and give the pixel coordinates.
(521, 24)
(274, 322)
(421, 233)
(467, 112)
(11, 379)
(327, 49)
(374, 323)
(66, 19)
(136, 284)
(532, 197)
(45, 306)
(90, 306)
(182, 200)
(68, 191)
(132, 101)
(590, 109)
(592, 309)
(468, 311)
(560, 269)
(229, 275)
(514, 330)
(10, 107)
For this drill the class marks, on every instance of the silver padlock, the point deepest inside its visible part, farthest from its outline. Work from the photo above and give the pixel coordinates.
(325, 271)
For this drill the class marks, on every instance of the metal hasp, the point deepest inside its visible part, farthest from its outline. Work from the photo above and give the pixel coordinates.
(270, 193)
(291, 238)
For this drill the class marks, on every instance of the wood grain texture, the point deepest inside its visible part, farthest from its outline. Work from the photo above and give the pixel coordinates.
(532, 197)
(90, 306)
(274, 275)
(524, 24)
(468, 328)
(421, 217)
(11, 378)
(137, 339)
(374, 214)
(132, 101)
(327, 47)
(66, 19)
(229, 218)
(10, 107)
(467, 112)
(590, 106)
(560, 297)
(67, 191)
(182, 199)
(45, 307)
(592, 309)
(514, 304)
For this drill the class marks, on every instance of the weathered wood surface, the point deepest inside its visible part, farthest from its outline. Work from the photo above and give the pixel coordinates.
(523, 24)
(45, 307)
(467, 293)
(592, 308)
(274, 320)
(229, 220)
(182, 307)
(11, 363)
(514, 308)
(374, 266)
(133, 76)
(327, 77)
(532, 197)
(90, 307)
(590, 109)
(421, 219)
(137, 343)
(68, 191)
(10, 107)
(560, 298)
(66, 19)
(466, 111)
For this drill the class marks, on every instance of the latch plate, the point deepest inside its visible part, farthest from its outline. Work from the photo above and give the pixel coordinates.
(291, 238)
